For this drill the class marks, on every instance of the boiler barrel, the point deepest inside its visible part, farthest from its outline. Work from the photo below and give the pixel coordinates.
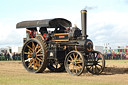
(84, 45)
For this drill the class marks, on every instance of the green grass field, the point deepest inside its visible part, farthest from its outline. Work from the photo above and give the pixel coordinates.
(13, 73)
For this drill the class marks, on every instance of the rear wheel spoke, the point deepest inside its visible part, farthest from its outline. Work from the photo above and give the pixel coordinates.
(38, 59)
(28, 53)
(30, 64)
(38, 50)
(37, 63)
(39, 55)
(30, 48)
(36, 47)
(33, 45)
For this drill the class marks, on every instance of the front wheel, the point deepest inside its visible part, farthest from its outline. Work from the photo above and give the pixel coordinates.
(74, 63)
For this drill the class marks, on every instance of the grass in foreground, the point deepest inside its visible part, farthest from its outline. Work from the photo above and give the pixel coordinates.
(13, 73)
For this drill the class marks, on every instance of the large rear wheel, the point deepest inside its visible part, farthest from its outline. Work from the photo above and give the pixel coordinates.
(34, 55)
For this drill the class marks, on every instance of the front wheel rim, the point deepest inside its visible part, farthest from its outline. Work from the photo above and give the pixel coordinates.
(74, 63)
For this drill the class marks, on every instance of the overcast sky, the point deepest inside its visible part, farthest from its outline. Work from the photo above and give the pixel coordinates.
(107, 20)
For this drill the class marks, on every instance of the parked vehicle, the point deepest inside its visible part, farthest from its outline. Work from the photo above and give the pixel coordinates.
(65, 48)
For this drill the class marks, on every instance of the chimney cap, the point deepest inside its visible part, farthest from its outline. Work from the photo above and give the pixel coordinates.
(83, 11)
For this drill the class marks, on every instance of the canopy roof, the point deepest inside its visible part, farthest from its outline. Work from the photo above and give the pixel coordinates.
(49, 23)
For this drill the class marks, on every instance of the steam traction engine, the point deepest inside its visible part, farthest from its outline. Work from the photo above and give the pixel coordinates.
(64, 48)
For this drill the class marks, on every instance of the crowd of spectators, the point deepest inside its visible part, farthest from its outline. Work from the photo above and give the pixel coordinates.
(116, 56)
(6, 56)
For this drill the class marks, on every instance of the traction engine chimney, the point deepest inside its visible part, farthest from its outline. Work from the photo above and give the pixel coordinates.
(84, 23)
